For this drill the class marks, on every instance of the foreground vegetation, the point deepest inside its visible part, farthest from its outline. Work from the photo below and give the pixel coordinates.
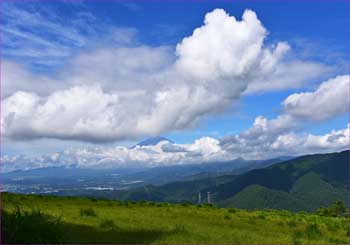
(48, 219)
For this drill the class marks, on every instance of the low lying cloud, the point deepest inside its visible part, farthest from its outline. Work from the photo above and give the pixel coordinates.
(286, 144)
(127, 92)
(203, 150)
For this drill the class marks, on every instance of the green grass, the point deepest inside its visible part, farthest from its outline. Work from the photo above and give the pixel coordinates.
(47, 219)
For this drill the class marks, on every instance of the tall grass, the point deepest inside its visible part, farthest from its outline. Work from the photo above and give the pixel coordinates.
(30, 227)
(88, 212)
(103, 221)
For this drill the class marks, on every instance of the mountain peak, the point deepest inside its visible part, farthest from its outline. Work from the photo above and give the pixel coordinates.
(152, 141)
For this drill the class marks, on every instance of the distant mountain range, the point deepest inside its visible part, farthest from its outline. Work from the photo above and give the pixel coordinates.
(79, 181)
(304, 183)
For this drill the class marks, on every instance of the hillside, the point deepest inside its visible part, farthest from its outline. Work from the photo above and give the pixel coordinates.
(304, 183)
(75, 220)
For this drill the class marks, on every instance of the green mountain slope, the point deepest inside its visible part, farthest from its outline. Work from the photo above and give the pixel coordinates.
(257, 196)
(312, 191)
(308, 193)
(304, 183)
(281, 176)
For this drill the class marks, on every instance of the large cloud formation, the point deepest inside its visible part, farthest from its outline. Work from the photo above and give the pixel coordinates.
(265, 139)
(112, 94)
(130, 91)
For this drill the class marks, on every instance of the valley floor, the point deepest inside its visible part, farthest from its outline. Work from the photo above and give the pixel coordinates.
(48, 219)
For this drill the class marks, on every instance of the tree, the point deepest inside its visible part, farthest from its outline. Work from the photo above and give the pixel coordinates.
(336, 210)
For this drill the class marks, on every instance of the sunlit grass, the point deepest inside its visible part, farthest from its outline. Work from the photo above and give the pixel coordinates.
(84, 220)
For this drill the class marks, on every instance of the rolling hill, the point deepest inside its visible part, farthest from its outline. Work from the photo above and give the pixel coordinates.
(303, 183)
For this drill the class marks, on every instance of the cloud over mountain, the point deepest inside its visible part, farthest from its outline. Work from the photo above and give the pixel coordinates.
(161, 154)
(202, 150)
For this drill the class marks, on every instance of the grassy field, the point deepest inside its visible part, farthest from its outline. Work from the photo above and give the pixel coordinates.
(47, 219)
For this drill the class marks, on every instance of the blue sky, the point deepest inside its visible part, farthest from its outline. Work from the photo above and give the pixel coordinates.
(46, 40)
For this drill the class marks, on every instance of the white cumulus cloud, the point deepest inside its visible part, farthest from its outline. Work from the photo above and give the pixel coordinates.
(330, 99)
(118, 93)
(276, 136)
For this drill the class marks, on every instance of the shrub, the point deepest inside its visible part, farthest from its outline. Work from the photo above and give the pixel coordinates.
(261, 216)
(186, 204)
(179, 228)
(107, 224)
(87, 212)
(336, 210)
(291, 223)
(280, 223)
(332, 226)
(116, 202)
(337, 241)
(110, 204)
(287, 213)
(232, 210)
(33, 226)
(208, 205)
(296, 235)
(252, 220)
(227, 217)
(312, 231)
(142, 203)
(322, 211)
